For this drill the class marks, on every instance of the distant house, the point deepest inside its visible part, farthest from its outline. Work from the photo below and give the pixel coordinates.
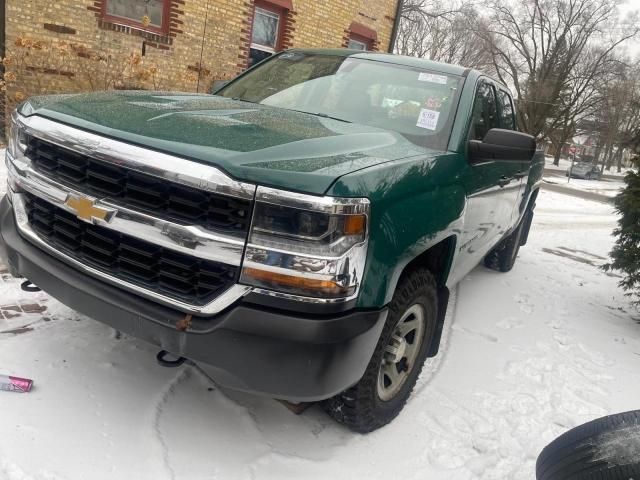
(586, 146)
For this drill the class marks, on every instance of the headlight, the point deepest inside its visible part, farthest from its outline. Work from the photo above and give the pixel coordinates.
(17, 138)
(16, 149)
(306, 231)
(307, 246)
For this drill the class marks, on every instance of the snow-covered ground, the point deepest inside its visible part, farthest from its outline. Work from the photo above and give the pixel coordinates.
(564, 164)
(529, 354)
(606, 187)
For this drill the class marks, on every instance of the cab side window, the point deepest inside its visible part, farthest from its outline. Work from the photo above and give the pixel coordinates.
(485, 112)
(507, 114)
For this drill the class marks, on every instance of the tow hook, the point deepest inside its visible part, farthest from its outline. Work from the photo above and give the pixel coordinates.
(166, 359)
(27, 286)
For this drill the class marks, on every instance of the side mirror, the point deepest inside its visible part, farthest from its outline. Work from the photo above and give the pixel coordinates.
(505, 145)
(217, 85)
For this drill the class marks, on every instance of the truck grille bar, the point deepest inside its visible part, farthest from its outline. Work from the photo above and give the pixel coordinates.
(153, 195)
(184, 277)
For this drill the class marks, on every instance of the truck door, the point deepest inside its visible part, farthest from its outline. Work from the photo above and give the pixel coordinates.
(518, 170)
(490, 186)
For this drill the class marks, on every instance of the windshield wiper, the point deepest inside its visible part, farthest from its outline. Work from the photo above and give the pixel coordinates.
(242, 100)
(324, 115)
(319, 114)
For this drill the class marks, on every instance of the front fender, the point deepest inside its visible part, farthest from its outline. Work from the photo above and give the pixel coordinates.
(415, 204)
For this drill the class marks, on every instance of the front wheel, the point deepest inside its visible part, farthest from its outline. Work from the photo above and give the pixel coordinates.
(397, 361)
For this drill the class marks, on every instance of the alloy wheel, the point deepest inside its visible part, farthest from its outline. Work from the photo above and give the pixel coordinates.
(401, 352)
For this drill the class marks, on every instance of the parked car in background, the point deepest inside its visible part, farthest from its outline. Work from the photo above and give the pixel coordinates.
(296, 233)
(584, 170)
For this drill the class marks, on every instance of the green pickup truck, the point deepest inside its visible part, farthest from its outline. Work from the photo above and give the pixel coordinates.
(296, 233)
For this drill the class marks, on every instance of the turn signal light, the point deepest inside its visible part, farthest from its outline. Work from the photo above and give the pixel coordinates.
(312, 286)
(355, 224)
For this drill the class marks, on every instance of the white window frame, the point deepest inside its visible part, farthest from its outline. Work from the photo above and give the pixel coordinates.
(364, 45)
(138, 21)
(267, 13)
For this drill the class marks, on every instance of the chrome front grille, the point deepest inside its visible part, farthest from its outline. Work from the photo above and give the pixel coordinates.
(162, 227)
(147, 193)
(174, 274)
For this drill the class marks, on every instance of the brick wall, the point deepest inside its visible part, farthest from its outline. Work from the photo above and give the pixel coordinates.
(65, 45)
(326, 24)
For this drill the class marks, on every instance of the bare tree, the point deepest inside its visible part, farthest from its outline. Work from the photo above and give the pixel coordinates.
(426, 9)
(443, 32)
(620, 114)
(580, 98)
(537, 46)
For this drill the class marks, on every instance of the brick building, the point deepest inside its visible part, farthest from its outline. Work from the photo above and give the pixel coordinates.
(71, 45)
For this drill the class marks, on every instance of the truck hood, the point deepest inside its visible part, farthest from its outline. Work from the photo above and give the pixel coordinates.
(250, 142)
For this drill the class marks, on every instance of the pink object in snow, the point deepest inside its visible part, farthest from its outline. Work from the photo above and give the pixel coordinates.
(15, 384)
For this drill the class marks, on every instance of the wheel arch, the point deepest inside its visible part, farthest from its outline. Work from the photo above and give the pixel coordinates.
(438, 259)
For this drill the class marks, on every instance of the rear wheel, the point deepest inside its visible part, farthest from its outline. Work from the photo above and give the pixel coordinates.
(387, 383)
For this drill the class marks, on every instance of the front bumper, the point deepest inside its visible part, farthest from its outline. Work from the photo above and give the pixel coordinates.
(265, 351)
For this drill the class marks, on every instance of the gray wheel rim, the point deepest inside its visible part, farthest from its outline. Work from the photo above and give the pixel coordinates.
(401, 352)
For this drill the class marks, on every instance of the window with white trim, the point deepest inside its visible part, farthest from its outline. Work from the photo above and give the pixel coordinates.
(357, 44)
(264, 34)
(149, 14)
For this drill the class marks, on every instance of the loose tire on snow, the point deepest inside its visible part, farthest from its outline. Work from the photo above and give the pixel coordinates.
(376, 400)
(503, 256)
(604, 449)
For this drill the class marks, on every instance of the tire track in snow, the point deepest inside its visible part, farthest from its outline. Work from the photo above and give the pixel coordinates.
(460, 441)
(158, 409)
(540, 395)
(273, 455)
(248, 413)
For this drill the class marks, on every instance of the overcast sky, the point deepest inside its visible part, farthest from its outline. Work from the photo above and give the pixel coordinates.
(633, 46)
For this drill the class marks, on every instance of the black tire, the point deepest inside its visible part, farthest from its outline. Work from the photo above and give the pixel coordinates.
(360, 407)
(503, 257)
(604, 449)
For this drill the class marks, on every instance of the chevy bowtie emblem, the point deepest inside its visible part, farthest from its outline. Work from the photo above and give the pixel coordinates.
(85, 209)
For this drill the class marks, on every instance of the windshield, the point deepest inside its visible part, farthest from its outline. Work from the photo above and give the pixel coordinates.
(418, 104)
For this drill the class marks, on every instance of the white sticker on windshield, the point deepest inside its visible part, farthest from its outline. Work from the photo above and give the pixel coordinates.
(433, 78)
(428, 119)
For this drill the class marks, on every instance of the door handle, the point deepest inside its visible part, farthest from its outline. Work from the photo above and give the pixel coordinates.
(504, 181)
(521, 174)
